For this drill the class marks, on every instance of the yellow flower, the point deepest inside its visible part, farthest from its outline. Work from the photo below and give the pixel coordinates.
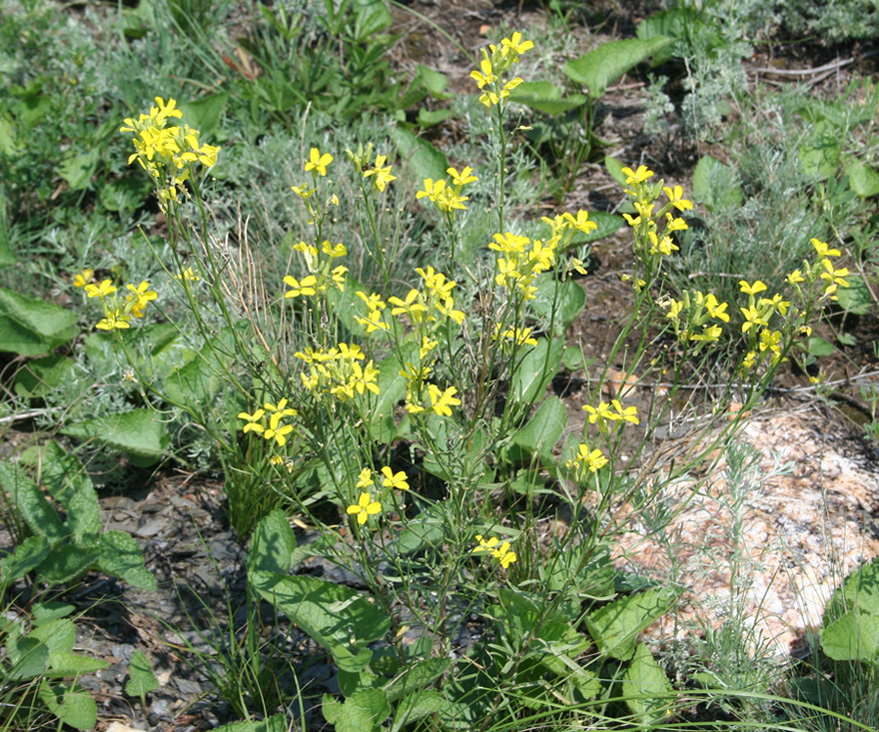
(498, 550)
(84, 278)
(394, 480)
(252, 421)
(823, 249)
(103, 290)
(758, 286)
(381, 174)
(364, 508)
(795, 277)
(278, 434)
(629, 414)
(716, 310)
(140, 295)
(297, 288)
(593, 460)
(187, 275)
(442, 401)
(515, 45)
(637, 176)
(463, 178)
(318, 162)
(364, 480)
(115, 320)
(676, 198)
(486, 77)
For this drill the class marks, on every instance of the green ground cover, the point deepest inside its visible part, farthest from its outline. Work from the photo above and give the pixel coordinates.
(263, 241)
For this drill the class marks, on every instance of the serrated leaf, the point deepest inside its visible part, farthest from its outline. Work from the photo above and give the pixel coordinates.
(140, 433)
(121, 556)
(31, 327)
(25, 558)
(416, 677)
(29, 656)
(40, 376)
(646, 688)
(545, 97)
(819, 156)
(275, 723)
(77, 170)
(610, 61)
(363, 712)
(615, 627)
(337, 617)
(66, 563)
(45, 611)
(141, 680)
(715, 185)
(58, 634)
(417, 706)
(71, 705)
(817, 346)
(66, 663)
(860, 590)
(41, 518)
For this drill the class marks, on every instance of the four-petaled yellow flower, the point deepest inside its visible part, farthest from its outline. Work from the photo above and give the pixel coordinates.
(498, 550)
(380, 173)
(364, 508)
(318, 162)
(442, 401)
(140, 296)
(103, 290)
(515, 45)
(758, 286)
(394, 480)
(305, 287)
(114, 320)
(637, 176)
(83, 278)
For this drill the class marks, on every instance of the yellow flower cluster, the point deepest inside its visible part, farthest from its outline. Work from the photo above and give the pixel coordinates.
(367, 505)
(321, 272)
(694, 311)
(168, 153)
(117, 312)
(497, 549)
(586, 461)
(496, 61)
(273, 429)
(606, 413)
(338, 371)
(447, 196)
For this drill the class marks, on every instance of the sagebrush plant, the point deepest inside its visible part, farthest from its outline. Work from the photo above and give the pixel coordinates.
(411, 429)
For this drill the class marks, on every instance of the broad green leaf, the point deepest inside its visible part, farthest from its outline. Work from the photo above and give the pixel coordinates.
(852, 637)
(678, 23)
(819, 156)
(565, 298)
(543, 430)
(66, 479)
(422, 532)
(610, 61)
(371, 18)
(275, 723)
(141, 680)
(863, 179)
(715, 185)
(58, 634)
(817, 346)
(77, 170)
(432, 80)
(423, 158)
(45, 611)
(859, 590)
(31, 327)
(66, 563)
(856, 298)
(545, 97)
(64, 663)
(205, 113)
(536, 370)
(429, 118)
(339, 618)
(71, 705)
(39, 377)
(416, 677)
(26, 557)
(615, 168)
(140, 433)
(272, 545)
(121, 556)
(646, 688)
(417, 706)
(363, 712)
(125, 194)
(615, 627)
(38, 514)
(29, 656)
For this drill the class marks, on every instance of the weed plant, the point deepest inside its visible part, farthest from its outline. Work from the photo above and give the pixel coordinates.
(408, 423)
